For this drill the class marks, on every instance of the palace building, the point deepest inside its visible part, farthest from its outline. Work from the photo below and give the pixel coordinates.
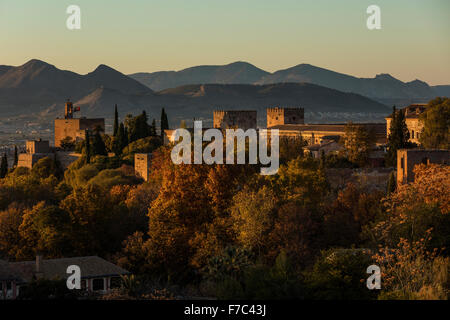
(75, 128)
(415, 126)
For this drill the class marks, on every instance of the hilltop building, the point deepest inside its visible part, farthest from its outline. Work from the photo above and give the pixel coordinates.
(282, 116)
(415, 126)
(242, 119)
(408, 158)
(75, 128)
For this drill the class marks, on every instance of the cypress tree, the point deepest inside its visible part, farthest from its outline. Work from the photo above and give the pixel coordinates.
(121, 139)
(398, 137)
(153, 128)
(391, 184)
(116, 121)
(4, 166)
(164, 122)
(16, 157)
(87, 144)
(98, 144)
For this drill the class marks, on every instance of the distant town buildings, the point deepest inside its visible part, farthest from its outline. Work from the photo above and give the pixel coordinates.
(415, 126)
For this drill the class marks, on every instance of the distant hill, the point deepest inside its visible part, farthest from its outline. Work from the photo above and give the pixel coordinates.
(36, 85)
(234, 73)
(40, 88)
(198, 101)
(383, 87)
(442, 91)
(312, 97)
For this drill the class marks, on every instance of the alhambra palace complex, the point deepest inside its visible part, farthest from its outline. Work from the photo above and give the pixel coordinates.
(321, 138)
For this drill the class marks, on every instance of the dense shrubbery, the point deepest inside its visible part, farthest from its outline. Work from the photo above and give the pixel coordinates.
(228, 232)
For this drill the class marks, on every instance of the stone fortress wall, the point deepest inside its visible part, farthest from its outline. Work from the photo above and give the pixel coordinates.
(242, 119)
(282, 115)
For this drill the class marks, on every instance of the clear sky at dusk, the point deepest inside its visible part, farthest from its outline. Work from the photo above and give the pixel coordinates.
(154, 35)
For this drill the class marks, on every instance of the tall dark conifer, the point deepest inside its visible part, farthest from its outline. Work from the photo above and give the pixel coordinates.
(116, 121)
(4, 166)
(98, 145)
(164, 122)
(153, 128)
(398, 136)
(16, 157)
(87, 147)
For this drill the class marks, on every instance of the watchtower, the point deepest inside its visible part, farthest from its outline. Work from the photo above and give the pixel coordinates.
(242, 119)
(279, 116)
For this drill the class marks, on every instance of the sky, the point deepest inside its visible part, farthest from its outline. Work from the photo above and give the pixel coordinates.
(155, 35)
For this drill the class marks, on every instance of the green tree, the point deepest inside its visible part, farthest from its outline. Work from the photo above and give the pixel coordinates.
(436, 124)
(398, 136)
(4, 166)
(358, 142)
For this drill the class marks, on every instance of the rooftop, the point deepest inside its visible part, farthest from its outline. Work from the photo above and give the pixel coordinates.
(91, 267)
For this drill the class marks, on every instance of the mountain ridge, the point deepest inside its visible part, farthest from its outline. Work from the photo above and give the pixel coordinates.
(383, 87)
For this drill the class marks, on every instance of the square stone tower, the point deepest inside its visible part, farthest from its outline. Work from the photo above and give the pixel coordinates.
(75, 128)
(242, 119)
(142, 162)
(279, 116)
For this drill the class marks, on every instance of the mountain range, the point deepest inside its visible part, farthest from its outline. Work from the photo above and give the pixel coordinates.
(382, 87)
(38, 88)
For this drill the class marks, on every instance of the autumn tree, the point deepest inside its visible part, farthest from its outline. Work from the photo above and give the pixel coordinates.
(253, 214)
(11, 243)
(46, 229)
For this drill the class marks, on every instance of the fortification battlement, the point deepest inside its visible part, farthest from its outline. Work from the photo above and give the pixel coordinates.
(285, 115)
(244, 119)
(233, 111)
